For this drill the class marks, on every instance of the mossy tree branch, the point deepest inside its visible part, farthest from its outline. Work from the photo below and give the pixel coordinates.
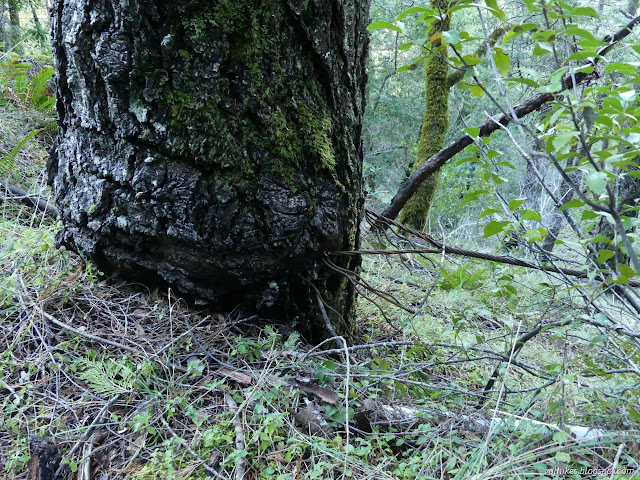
(438, 160)
(435, 122)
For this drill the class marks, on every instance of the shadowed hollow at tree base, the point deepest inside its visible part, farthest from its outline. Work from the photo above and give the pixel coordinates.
(215, 147)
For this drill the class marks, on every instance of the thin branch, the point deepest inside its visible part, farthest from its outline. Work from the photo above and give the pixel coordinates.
(469, 253)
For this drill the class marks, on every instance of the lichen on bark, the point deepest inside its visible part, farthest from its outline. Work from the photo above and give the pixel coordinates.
(215, 147)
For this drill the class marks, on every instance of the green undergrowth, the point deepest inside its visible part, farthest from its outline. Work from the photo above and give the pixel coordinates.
(141, 385)
(410, 406)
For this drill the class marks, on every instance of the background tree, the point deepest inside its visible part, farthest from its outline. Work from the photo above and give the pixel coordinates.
(215, 147)
(436, 116)
(3, 22)
(12, 38)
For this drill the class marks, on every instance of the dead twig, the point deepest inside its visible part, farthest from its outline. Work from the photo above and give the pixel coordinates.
(86, 435)
(241, 466)
(102, 340)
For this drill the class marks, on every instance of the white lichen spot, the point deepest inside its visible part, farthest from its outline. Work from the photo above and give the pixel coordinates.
(140, 111)
(121, 222)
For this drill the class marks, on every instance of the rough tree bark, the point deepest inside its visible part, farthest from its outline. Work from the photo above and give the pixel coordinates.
(215, 146)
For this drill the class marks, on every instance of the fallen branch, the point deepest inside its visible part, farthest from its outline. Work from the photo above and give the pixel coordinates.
(437, 161)
(241, 465)
(16, 193)
(401, 414)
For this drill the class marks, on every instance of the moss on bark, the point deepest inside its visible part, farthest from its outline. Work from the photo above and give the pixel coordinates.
(434, 124)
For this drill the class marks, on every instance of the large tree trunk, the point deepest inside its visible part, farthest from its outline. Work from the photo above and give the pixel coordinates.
(215, 146)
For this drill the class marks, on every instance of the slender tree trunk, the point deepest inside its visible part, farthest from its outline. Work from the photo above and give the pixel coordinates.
(3, 25)
(41, 32)
(530, 187)
(557, 219)
(13, 37)
(215, 146)
(435, 122)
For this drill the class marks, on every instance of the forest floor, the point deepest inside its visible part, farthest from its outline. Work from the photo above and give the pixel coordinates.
(473, 370)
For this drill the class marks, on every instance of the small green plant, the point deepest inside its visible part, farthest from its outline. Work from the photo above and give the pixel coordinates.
(22, 89)
(462, 278)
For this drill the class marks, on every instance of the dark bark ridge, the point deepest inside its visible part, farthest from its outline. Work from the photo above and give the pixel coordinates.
(213, 146)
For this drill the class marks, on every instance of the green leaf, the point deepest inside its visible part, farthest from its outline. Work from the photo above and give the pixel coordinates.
(604, 255)
(562, 139)
(532, 215)
(535, 234)
(493, 7)
(492, 228)
(519, 30)
(477, 90)
(515, 204)
(452, 37)
(580, 32)
(472, 59)
(489, 211)
(572, 204)
(563, 457)
(626, 270)
(503, 63)
(560, 437)
(414, 65)
(630, 68)
(412, 10)
(581, 56)
(406, 46)
(540, 49)
(524, 81)
(472, 132)
(381, 24)
(472, 196)
(597, 182)
(585, 12)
